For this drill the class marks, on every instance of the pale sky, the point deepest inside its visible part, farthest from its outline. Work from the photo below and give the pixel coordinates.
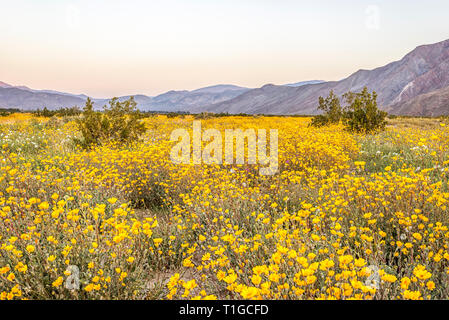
(109, 48)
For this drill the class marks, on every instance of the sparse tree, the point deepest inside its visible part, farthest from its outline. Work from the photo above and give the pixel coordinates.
(362, 114)
(120, 121)
(332, 111)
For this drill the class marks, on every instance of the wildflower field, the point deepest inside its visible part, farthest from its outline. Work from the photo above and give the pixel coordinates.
(346, 217)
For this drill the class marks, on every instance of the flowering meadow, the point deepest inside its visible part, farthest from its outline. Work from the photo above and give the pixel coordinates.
(346, 217)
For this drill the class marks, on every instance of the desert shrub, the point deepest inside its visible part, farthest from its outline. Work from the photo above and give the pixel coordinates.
(319, 121)
(172, 115)
(120, 121)
(4, 112)
(44, 113)
(362, 114)
(332, 111)
(61, 112)
(203, 115)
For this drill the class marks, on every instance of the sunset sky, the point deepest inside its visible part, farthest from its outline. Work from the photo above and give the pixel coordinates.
(109, 48)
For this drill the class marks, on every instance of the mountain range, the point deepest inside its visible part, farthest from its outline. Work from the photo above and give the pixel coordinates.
(24, 98)
(403, 88)
(417, 85)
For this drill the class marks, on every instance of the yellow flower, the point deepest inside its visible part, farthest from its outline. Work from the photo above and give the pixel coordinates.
(57, 282)
(412, 295)
(249, 293)
(189, 285)
(157, 241)
(311, 279)
(405, 282)
(417, 236)
(44, 205)
(11, 277)
(345, 259)
(421, 273)
(89, 287)
(430, 285)
(389, 278)
(22, 267)
(220, 275)
(360, 262)
(230, 278)
(256, 279)
(123, 275)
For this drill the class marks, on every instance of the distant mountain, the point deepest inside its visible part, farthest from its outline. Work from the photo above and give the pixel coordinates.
(142, 101)
(11, 97)
(415, 85)
(220, 88)
(303, 83)
(189, 100)
(24, 98)
(183, 100)
(424, 70)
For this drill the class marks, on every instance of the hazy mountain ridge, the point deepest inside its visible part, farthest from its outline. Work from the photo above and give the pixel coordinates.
(303, 83)
(24, 98)
(11, 97)
(424, 70)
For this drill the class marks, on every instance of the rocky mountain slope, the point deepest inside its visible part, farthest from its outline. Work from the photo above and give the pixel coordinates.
(435, 103)
(424, 70)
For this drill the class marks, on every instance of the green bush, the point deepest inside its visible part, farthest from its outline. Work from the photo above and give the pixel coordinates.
(203, 115)
(174, 115)
(361, 114)
(332, 111)
(320, 121)
(120, 121)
